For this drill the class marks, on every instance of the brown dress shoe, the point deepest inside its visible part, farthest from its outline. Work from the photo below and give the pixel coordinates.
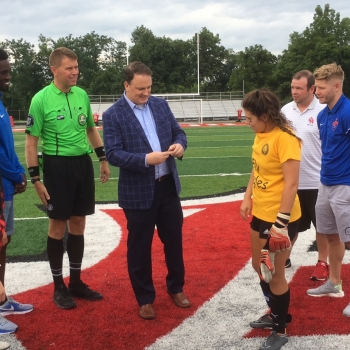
(180, 299)
(147, 312)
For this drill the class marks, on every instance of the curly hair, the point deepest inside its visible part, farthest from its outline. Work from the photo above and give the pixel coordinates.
(265, 102)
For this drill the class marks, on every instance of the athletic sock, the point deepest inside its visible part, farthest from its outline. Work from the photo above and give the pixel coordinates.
(75, 250)
(55, 252)
(279, 310)
(265, 287)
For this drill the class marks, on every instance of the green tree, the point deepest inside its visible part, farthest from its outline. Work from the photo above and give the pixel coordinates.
(108, 80)
(254, 68)
(90, 50)
(215, 61)
(326, 40)
(26, 74)
(169, 60)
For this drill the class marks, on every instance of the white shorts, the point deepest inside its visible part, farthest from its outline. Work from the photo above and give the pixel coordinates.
(333, 211)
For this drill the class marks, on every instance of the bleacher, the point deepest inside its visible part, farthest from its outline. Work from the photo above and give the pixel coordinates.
(189, 109)
(192, 110)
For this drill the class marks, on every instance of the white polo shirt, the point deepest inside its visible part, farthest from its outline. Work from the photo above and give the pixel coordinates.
(305, 125)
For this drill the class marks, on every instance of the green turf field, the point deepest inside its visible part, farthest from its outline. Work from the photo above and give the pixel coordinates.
(217, 160)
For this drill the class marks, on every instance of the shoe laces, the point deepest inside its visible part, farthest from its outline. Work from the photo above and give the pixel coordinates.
(13, 301)
(64, 293)
(271, 338)
(82, 285)
(274, 337)
(320, 267)
(265, 258)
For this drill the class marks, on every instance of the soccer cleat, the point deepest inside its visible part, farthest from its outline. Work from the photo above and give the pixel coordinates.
(6, 326)
(320, 272)
(264, 321)
(346, 311)
(83, 291)
(62, 298)
(274, 341)
(12, 306)
(288, 264)
(327, 289)
(266, 266)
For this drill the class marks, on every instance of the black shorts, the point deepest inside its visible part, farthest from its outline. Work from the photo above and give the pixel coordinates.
(264, 226)
(71, 185)
(307, 200)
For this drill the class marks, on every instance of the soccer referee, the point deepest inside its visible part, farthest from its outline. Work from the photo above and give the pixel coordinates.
(60, 115)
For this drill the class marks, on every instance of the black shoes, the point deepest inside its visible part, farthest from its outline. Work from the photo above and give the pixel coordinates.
(82, 290)
(62, 295)
(62, 298)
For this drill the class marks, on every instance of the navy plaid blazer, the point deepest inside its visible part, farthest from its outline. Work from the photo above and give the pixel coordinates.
(126, 146)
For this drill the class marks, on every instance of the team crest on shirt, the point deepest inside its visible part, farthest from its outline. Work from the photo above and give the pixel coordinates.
(82, 119)
(265, 149)
(30, 121)
(335, 124)
(310, 121)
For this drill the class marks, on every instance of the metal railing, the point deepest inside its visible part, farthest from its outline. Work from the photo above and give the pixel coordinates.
(227, 95)
(101, 99)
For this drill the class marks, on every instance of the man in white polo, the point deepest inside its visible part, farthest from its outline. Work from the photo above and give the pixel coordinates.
(302, 112)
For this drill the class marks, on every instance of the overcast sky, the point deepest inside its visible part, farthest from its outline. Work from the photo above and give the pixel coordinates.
(239, 23)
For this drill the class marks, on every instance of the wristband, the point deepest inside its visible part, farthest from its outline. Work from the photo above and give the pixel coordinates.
(33, 181)
(102, 159)
(34, 171)
(100, 152)
(282, 220)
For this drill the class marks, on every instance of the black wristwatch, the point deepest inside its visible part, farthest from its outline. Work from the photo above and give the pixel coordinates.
(33, 181)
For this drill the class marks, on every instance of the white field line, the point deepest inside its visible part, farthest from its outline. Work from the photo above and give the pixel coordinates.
(201, 175)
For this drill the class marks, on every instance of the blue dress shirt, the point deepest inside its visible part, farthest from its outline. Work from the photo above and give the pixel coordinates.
(144, 115)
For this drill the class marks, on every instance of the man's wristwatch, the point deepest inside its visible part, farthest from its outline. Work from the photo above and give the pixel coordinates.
(33, 181)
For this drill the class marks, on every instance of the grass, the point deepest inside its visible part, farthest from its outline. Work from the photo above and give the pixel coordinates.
(217, 161)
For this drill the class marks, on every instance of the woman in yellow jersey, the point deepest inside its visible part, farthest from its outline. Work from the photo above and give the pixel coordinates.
(271, 198)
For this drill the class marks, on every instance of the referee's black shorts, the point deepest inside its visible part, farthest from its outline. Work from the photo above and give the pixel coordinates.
(71, 186)
(307, 200)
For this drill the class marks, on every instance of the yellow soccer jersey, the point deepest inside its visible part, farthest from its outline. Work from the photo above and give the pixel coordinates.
(270, 151)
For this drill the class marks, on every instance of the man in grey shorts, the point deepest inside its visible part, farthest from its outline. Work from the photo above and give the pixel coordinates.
(333, 202)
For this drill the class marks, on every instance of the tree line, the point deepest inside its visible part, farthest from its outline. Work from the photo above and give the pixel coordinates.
(174, 62)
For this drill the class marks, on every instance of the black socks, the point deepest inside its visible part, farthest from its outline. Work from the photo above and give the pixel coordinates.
(55, 252)
(279, 305)
(75, 250)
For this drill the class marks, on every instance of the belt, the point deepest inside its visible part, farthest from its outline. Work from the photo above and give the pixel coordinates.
(162, 178)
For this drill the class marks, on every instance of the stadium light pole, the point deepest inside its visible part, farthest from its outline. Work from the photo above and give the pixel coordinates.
(127, 51)
(198, 61)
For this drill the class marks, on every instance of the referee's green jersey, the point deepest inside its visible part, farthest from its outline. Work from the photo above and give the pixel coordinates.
(60, 120)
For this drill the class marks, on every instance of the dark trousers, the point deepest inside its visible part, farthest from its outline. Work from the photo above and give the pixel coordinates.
(166, 214)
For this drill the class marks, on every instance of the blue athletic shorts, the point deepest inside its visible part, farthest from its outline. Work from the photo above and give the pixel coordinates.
(9, 218)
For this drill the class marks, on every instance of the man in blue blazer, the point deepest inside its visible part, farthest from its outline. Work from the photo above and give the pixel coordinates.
(143, 138)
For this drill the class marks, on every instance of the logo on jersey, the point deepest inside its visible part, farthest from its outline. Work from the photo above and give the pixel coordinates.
(82, 119)
(30, 121)
(265, 149)
(311, 121)
(335, 124)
